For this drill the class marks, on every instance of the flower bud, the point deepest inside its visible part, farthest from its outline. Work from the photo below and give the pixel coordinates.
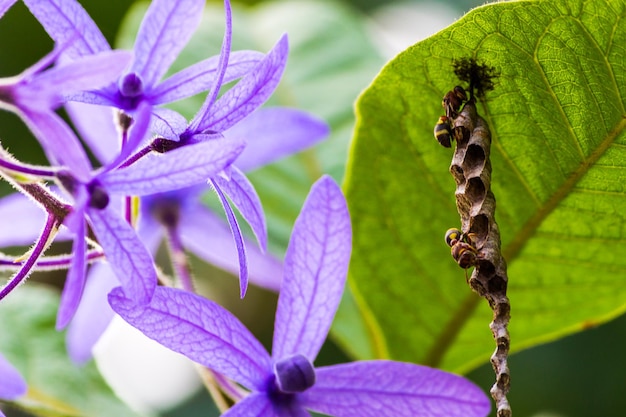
(294, 374)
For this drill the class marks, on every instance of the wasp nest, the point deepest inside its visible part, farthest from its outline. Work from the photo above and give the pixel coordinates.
(477, 244)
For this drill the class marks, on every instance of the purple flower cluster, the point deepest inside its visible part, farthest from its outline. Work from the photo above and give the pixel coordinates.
(153, 166)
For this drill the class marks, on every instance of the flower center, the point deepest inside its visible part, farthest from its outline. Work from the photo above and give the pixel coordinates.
(131, 85)
(294, 374)
(98, 197)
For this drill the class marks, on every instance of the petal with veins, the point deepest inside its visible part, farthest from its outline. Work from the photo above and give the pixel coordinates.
(243, 195)
(68, 23)
(238, 237)
(87, 73)
(128, 257)
(179, 168)
(199, 329)
(390, 389)
(58, 141)
(76, 276)
(248, 94)
(200, 76)
(164, 31)
(168, 123)
(316, 265)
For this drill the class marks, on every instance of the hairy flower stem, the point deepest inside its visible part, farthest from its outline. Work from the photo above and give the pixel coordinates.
(48, 263)
(215, 383)
(15, 169)
(476, 204)
(50, 228)
(136, 156)
(208, 379)
(25, 169)
(180, 263)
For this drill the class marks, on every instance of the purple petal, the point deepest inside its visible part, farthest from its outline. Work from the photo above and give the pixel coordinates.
(238, 237)
(249, 93)
(207, 236)
(58, 141)
(200, 76)
(102, 97)
(275, 132)
(5, 5)
(164, 31)
(393, 389)
(22, 220)
(96, 127)
(128, 257)
(316, 264)
(195, 125)
(93, 314)
(179, 168)
(87, 73)
(76, 275)
(150, 232)
(201, 330)
(168, 123)
(68, 23)
(13, 385)
(243, 195)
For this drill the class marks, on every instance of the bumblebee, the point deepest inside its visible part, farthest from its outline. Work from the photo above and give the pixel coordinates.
(443, 131)
(453, 100)
(462, 248)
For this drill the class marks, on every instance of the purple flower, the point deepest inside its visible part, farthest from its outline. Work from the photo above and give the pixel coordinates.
(92, 193)
(286, 383)
(164, 31)
(274, 133)
(166, 28)
(13, 385)
(34, 94)
(212, 120)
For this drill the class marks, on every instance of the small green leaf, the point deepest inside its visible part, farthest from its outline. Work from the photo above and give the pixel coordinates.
(56, 387)
(557, 121)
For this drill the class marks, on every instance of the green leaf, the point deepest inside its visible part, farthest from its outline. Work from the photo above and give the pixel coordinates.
(326, 70)
(557, 121)
(56, 387)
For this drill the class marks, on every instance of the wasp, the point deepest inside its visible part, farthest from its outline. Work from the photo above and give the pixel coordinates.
(462, 248)
(443, 131)
(453, 100)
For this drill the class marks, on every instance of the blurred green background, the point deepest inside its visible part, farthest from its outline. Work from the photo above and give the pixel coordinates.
(579, 376)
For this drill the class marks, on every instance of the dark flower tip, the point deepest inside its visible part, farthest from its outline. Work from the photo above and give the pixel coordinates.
(124, 121)
(67, 181)
(130, 85)
(162, 145)
(98, 197)
(294, 374)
